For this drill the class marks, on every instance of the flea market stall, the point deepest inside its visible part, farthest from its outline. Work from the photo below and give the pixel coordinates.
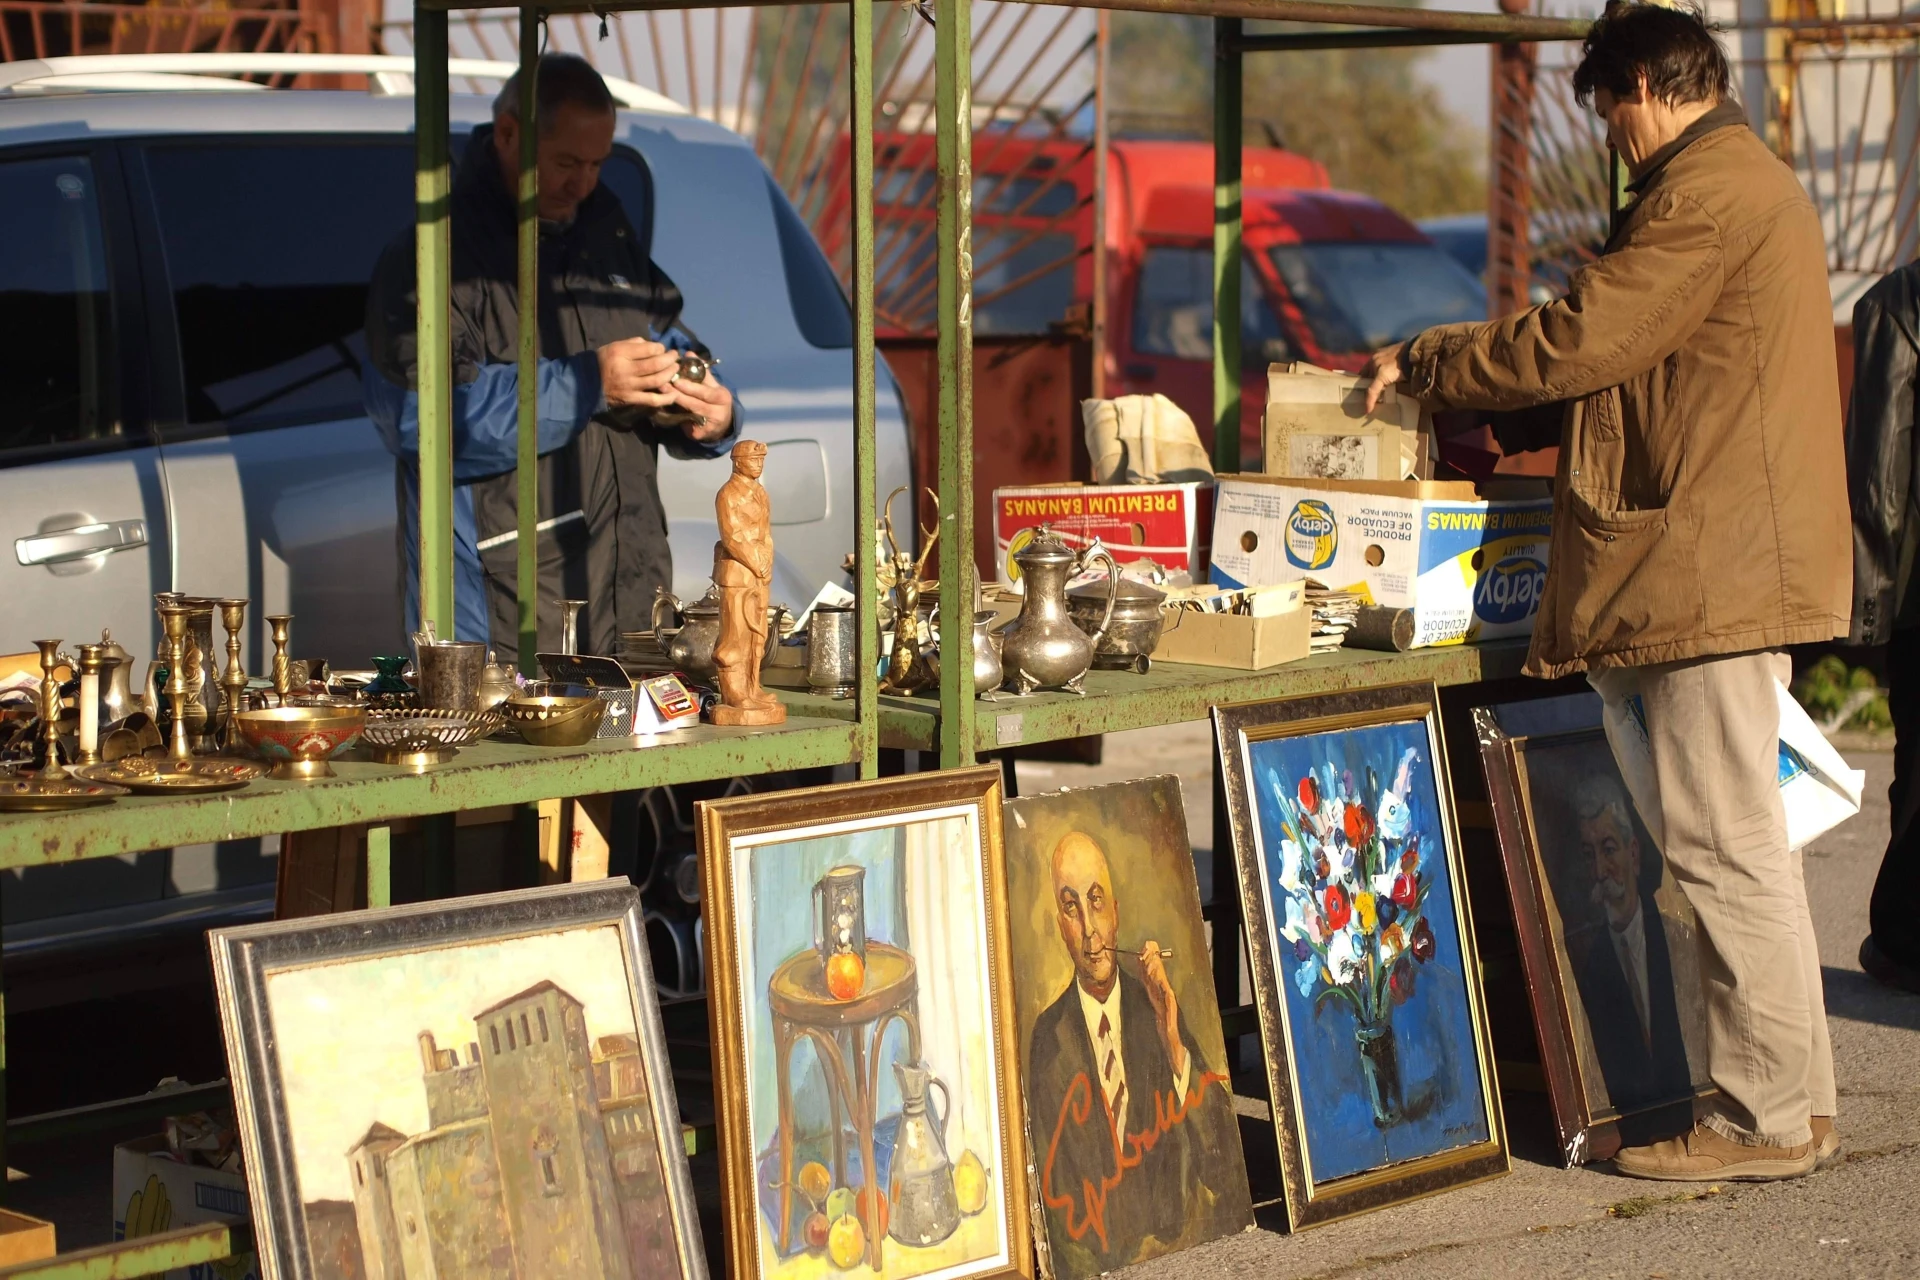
(896, 990)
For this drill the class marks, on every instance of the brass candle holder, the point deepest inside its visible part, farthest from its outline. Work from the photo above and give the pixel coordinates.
(173, 621)
(233, 684)
(282, 670)
(50, 709)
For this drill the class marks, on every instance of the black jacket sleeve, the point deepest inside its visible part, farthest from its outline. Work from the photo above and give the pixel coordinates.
(1883, 489)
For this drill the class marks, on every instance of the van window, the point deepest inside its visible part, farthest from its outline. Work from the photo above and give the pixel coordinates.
(269, 247)
(1035, 272)
(1360, 297)
(57, 383)
(1173, 310)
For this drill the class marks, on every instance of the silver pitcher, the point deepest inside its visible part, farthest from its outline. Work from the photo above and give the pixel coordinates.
(926, 1204)
(1042, 648)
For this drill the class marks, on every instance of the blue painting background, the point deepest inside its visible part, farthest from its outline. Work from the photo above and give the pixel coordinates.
(1433, 1030)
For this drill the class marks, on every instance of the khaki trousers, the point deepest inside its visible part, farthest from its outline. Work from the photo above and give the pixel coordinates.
(1713, 726)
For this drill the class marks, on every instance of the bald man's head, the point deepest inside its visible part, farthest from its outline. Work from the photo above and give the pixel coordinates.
(1088, 913)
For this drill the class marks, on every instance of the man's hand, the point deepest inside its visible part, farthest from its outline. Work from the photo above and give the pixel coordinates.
(637, 371)
(1166, 1008)
(1384, 368)
(709, 402)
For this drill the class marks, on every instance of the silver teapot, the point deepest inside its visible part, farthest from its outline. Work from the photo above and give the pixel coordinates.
(1042, 648)
(690, 645)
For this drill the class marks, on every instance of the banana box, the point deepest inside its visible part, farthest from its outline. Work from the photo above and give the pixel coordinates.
(1470, 565)
(153, 1192)
(1165, 523)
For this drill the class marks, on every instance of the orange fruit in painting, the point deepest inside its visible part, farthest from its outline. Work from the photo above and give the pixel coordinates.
(879, 1220)
(845, 975)
(815, 1181)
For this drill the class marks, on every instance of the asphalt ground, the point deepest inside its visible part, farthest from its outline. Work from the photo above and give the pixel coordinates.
(1859, 1219)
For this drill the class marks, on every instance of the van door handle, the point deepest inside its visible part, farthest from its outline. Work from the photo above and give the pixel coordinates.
(60, 546)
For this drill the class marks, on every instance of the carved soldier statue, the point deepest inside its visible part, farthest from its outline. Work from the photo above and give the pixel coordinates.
(743, 571)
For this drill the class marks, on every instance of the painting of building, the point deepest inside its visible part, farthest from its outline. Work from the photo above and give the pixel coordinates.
(540, 1159)
(333, 1234)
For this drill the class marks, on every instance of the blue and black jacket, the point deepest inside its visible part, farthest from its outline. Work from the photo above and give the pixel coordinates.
(603, 533)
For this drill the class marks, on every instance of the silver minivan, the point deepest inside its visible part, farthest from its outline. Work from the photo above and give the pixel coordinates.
(182, 284)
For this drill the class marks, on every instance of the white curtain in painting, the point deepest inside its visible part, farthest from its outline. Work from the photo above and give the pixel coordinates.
(944, 928)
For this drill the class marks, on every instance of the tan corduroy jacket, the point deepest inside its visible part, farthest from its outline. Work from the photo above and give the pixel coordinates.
(1701, 502)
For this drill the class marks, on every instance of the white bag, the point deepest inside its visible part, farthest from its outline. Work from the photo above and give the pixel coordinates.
(1817, 788)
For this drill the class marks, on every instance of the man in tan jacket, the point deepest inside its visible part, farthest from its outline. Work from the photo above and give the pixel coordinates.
(1700, 525)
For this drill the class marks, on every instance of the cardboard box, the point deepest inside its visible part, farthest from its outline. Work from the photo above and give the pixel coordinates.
(1165, 523)
(1235, 640)
(1470, 567)
(24, 1239)
(1316, 426)
(153, 1192)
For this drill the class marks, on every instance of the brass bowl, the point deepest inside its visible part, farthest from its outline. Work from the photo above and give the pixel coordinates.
(419, 738)
(299, 741)
(553, 721)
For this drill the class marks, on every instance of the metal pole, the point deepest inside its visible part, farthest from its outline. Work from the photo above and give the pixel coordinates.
(953, 107)
(1348, 15)
(866, 707)
(1226, 245)
(433, 247)
(527, 474)
(1101, 141)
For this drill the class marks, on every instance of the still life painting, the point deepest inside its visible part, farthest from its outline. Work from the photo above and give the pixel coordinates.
(1608, 941)
(1136, 1149)
(475, 1088)
(1369, 995)
(868, 1079)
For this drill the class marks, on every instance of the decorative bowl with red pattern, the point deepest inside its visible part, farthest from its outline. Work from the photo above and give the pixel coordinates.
(299, 741)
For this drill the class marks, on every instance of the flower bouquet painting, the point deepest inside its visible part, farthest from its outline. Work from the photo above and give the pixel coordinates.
(1377, 1048)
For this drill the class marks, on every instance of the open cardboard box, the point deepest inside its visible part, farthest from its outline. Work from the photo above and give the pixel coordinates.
(1234, 640)
(24, 1239)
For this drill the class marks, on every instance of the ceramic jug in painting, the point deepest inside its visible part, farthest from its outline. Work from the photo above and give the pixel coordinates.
(926, 1207)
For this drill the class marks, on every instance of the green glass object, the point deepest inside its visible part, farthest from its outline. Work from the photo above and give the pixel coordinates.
(387, 678)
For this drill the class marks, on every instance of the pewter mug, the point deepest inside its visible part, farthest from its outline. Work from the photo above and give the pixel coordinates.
(832, 650)
(1042, 648)
(447, 674)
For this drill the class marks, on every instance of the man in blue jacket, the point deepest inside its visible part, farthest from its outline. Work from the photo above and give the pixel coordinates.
(607, 365)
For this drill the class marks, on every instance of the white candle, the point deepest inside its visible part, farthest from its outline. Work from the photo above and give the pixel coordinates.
(89, 712)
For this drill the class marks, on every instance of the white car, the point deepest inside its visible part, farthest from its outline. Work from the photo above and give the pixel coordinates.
(183, 268)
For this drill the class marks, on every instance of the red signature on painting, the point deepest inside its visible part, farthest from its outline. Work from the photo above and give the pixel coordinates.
(1168, 1110)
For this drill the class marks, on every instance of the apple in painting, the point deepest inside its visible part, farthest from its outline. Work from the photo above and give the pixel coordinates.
(815, 1230)
(840, 1204)
(845, 975)
(846, 1242)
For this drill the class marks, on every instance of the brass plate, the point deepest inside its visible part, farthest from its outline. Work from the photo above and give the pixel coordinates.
(31, 795)
(147, 776)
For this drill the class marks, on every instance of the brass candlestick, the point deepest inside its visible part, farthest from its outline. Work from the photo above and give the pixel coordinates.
(173, 620)
(233, 685)
(50, 708)
(282, 674)
(93, 660)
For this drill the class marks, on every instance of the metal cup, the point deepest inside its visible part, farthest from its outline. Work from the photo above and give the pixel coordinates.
(831, 655)
(448, 675)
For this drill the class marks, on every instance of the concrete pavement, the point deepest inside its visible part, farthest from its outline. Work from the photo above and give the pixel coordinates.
(1860, 1219)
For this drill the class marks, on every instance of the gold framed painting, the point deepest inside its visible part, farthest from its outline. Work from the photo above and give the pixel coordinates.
(543, 1139)
(1360, 940)
(1608, 941)
(867, 1077)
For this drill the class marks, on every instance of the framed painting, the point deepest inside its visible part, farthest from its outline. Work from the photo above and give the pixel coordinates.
(1608, 943)
(1136, 1151)
(1361, 945)
(473, 1087)
(867, 1078)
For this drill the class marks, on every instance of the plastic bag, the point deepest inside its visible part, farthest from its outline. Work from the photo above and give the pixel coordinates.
(1818, 789)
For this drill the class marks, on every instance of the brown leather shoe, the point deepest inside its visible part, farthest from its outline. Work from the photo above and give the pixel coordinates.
(1704, 1156)
(1827, 1148)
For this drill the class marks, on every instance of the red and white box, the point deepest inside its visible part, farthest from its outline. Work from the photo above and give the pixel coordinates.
(1169, 524)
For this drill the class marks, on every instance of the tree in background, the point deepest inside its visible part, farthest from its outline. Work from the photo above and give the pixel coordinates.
(1364, 113)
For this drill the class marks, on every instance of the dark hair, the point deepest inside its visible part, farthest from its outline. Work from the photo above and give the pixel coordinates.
(1673, 48)
(560, 80)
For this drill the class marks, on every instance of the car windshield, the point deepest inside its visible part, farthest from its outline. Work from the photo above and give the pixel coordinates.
(1361, 297)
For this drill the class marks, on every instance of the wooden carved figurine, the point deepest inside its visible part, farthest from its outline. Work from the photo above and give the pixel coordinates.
(743, 572)
(907, 667)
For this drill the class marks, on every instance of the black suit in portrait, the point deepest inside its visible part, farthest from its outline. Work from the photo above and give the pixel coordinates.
(1638, 1069)
(1192, 1179)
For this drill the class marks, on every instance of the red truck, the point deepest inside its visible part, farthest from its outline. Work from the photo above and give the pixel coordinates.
(1328, 276)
